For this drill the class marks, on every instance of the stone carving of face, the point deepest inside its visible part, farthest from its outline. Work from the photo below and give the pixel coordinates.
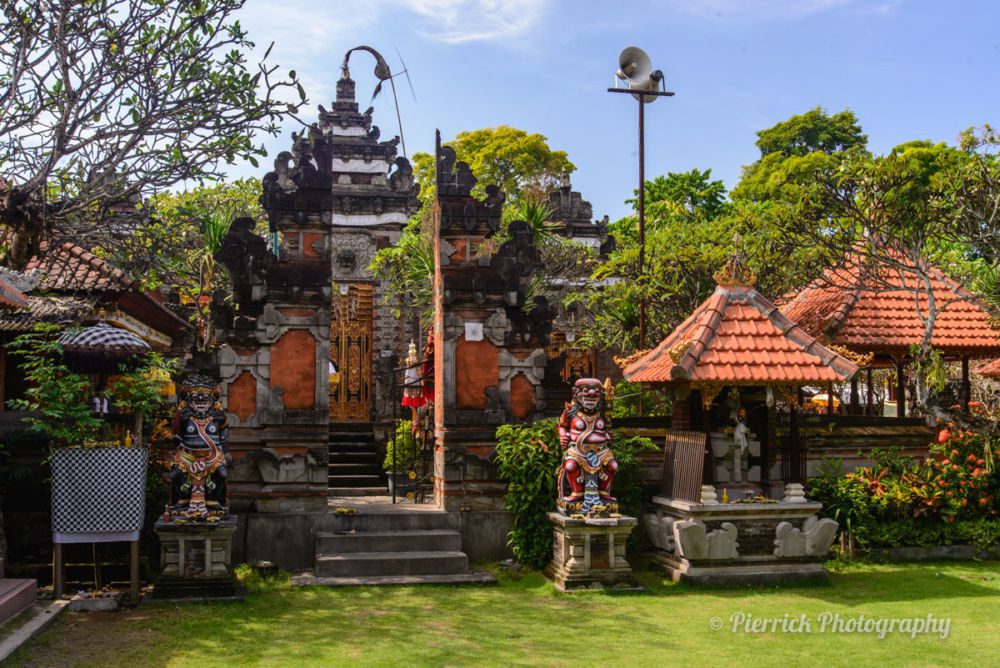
(588, 395)
(200, 402)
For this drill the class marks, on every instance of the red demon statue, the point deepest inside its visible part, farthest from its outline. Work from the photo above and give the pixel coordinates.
(588, 465)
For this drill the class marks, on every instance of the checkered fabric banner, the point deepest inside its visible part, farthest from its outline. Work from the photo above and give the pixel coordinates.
(98, 490)
(103, 337)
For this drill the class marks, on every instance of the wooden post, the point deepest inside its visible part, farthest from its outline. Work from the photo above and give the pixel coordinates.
(855, 399)
(966, 386)
(708, 466)
(58, 575)
(901, 387)
(794, 442)
(829, 398)
(134, 574)
(870, 407)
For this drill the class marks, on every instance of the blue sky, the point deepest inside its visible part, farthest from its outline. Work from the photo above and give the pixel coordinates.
(910, 69)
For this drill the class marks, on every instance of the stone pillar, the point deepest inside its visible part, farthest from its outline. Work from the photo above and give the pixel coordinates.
(273, 359)
(488, 353)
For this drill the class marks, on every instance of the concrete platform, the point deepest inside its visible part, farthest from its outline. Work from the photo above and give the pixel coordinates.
(20, 629)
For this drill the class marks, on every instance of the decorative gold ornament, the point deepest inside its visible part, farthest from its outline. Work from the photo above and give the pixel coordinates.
(735, 271)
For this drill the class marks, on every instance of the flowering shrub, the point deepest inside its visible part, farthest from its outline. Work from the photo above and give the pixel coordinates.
(897, 503)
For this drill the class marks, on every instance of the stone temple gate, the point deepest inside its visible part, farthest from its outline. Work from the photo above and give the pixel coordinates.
(306, 352)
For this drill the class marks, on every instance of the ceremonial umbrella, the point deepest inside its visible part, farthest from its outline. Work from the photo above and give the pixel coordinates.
(101, 348)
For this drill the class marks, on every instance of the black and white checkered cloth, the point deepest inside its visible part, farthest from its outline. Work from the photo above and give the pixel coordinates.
(103, 337)
(98, 494)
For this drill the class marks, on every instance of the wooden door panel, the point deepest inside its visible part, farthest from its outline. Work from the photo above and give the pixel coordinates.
(351, 333)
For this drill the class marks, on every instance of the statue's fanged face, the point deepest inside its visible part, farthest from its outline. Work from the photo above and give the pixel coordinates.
(589, 396)
(200, 402)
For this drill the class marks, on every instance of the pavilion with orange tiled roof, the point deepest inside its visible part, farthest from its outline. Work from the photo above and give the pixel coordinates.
(879, 319)
(737, 339)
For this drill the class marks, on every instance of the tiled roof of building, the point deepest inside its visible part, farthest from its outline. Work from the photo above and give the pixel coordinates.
(839, 309)
(45, 309)
(11, 297)
(738, 337)
(990, 370)
(66, 267)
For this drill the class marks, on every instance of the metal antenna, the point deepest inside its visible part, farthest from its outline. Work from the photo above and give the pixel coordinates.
(406, 71)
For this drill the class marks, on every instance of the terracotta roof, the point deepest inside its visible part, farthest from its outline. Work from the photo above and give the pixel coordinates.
(990, 370)
(738, 337)
(45, 309)
(66, 267)
(841, 310)
(11, 297)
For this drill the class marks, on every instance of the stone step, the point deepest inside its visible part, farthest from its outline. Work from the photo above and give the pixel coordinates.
(354, 457)
(473, 577)
(408, 520)
(363, 564)
(356, 480)
(16, 595)
(352, 447)
(354, 468)
(433, 540)
(359, 491)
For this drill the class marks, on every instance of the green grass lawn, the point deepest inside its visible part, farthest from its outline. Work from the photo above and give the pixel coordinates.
(523, 621)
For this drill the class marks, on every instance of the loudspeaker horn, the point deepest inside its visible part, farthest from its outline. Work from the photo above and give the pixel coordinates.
(634, 65)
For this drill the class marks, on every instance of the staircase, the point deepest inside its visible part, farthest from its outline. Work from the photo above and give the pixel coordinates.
(391, 546)
(355, 468)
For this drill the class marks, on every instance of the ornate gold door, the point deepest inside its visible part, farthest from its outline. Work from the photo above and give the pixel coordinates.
(351, 318)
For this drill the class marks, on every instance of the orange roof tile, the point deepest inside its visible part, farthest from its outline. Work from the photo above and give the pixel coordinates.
(990, 370)
(66, 267)
(11, 297)
(841, 310)
(737, 336)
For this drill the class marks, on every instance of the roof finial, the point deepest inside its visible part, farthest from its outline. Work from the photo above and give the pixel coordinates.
(735, 271)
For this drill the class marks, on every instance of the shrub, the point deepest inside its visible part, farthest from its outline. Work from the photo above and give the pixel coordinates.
(528, 458)
(405, 446)
(950, 497)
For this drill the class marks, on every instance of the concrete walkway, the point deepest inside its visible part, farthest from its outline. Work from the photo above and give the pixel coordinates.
(380, 505)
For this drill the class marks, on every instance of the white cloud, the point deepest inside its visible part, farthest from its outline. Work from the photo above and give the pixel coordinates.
(464, 21)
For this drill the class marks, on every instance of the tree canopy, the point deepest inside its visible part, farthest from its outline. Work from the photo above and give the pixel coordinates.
(503, 156)
(101, 102)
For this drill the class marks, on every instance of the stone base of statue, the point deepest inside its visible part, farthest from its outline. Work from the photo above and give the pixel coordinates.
(589, 553)
(196, 559)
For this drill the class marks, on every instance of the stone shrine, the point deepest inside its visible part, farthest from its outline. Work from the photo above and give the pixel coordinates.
(720, 517)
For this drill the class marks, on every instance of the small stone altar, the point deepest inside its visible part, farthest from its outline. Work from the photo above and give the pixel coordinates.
(590, 552)
(740, 543)
(196, 561)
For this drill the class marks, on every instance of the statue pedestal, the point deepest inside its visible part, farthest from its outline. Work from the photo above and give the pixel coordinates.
(196, 560)
(590, 553)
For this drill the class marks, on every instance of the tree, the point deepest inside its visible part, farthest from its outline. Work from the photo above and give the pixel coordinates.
(792, 151)
(883, 218)
(101, 102)
(522, 165)
(688, 236)
(504, 156)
